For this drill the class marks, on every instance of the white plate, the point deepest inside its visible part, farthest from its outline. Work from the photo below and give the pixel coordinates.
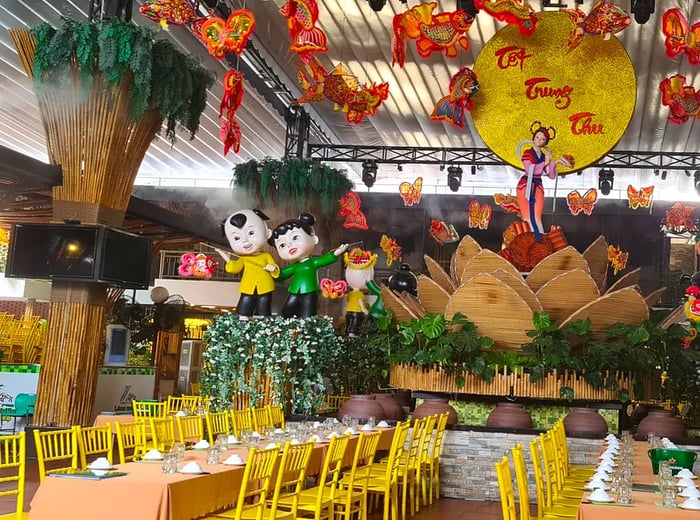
(689, 506)
(100, 468)
(190, 472)
(610, 499)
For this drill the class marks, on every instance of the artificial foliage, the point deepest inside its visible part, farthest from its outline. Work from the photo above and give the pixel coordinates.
(161, 77)
(292, 183)
(293, 353)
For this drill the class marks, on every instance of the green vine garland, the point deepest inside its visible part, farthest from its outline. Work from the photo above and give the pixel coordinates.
(292, 183)
(161, 77)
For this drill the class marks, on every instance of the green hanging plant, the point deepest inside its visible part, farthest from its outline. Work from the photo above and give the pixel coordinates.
(292, 183)
(161, 77)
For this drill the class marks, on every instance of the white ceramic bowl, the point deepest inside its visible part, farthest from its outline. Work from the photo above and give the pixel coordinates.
(691, 503)
(690, 492)
(153, 455)
(686, 482)
(191, 467)
(599, 496)
(201, 445)
(596, 484)
(235, 460)
(101, 463)
(685, 472)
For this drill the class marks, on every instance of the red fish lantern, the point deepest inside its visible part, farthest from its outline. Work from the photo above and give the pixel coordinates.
(640, 198)
(302, 16)
(230, 102)
(683, 100)
(350, 209)
(582, 203)
(169, 12)
(441, 32)
(479, 216)
(198, 265)
(342, 88)
(617, 259)
(512, 12)
(605, 18)
(230, 35)
(452, 107)
(680, 37)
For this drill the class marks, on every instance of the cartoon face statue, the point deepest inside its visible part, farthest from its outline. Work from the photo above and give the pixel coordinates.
(246, 231)
(358, 278)
(295, 244)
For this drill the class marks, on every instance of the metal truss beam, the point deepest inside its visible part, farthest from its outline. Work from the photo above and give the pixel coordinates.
(485, 157)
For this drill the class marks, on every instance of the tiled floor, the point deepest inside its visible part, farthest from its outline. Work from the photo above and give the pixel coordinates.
(445, 509)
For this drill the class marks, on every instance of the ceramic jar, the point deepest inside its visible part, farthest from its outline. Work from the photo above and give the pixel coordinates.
(509, 415)
(391, 406)
(435, 405)
(663, 423)
(362, 407)
(584, 422)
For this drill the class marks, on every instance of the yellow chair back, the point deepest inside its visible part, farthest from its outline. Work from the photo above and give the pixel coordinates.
(217, 423)
(276, 416)
(255, 487)
(330, 475)
(196, 388)
(261, 419)
(190, 429)
(521, 480)
(433, 464)
(13, 456)
(175, 404)
(56, 446)
(505, 488)
(130, 436)
(162, 432)
(94, 440)
(291, 476)
(353, 499)
(241, 420)
(144, 409)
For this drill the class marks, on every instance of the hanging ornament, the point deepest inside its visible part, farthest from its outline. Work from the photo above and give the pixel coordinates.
(342, 88)
(350, 209)
(617, 259)
(582, 203)
(683, 100)
(508, 202)
(433, 33)
(679, 220)
(479, 216)
(391, 249)
(605, 18)
(442, 232)
(170, 12)
(231, 100)
(302, 16)
(512, 12)
(680, 38)
(640, 198)
(411, 193)
(227, 36)
(452, 107)
(333, 289)
(198, 265)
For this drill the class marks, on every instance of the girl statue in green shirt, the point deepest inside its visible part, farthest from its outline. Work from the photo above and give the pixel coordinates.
(295, 240)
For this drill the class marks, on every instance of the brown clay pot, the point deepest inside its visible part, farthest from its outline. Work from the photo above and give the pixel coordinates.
(362, 407)
(663, 423)
(585, 421)
(391, 406)
(435, 405)
(509, 415)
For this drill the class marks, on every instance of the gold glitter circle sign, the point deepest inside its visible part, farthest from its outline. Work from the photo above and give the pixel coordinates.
(587, 94)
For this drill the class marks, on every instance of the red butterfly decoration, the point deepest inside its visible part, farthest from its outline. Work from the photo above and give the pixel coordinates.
(680, 37)
(578, 203)
(350, 209)
(411, 193)
(333, 290)
(683, 100)
(479, 216)
(222, 36)
(642, 198)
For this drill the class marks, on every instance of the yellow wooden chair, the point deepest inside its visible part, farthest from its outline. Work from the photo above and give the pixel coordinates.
(261, 419)
(543, 495)
(570, 472)
(351, 498)
(162, 433)
(196, 388)
(558, 511)
(557, 491)
(505, 488)
(255, 487)
(431, 466)
(317, 502)
(241, 420)
(13, 456)
(190, 429)
(386, 483)
(408, 478)
(6, 325)
(421, 475)
(131, 440)
(176, 404)
(24, 332)
(56, 446)
(145, 409)
(276, 416)
(94, 440)
(217, 424)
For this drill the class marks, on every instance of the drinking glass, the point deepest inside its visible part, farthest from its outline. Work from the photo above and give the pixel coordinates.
(221, 442)
(624, 492)
(668, 495)
(213, 455)
(371, 421)
(169, 463)
(179, 450)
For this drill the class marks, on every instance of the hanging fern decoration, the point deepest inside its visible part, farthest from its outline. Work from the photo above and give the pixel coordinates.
(160, 76)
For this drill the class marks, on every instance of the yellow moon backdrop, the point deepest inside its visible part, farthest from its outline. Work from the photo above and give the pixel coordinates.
(588, 94)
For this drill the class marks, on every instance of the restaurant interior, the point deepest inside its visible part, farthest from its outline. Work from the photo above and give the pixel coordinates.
(502, 312)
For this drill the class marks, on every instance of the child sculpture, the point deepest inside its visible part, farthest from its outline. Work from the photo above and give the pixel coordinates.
(247, 233)
(295, 240)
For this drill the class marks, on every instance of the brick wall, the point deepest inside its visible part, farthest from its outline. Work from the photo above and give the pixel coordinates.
(17, 307)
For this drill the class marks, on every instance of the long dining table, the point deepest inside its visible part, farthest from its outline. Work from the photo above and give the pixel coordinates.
(645, 503)
(146, 493)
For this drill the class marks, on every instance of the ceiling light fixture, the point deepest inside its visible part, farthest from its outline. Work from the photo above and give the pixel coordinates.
(473, 170)
(454, 177)
(687, 172)
(642, 10)
(399, 167)
(663, 175)
(697, 181)
(656, 171)
(606, 179)
(369, 173)
(376, 5)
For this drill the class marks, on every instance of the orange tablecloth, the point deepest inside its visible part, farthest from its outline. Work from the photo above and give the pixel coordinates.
(644, 503)
(147, 494)
(103, 419)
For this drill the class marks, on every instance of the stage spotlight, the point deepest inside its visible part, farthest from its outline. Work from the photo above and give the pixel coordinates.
(663, 175)
(606, 179)
(656, 171)
(399, 167)
(369, 173)
(697, 181)
(473, 170)
(377, 5)
(687, 172)
(642, 10)
(454, 177)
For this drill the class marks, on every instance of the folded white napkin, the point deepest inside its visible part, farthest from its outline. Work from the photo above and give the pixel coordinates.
(192, 467)
(153, 455)
(201, 445)
(383, 424)
(234, 459)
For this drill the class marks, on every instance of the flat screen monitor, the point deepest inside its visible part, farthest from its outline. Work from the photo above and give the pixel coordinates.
(125, 259)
